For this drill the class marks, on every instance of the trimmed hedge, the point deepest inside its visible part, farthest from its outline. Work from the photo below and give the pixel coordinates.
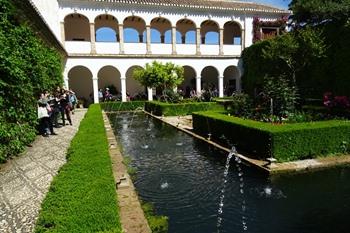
(285, 142)
(82, 196)
(180, 109)
(122, 106)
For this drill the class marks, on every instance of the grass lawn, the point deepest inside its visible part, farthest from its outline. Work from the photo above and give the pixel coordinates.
(82, 196)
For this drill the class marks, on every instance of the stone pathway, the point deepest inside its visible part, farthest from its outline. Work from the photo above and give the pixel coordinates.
(25, 180)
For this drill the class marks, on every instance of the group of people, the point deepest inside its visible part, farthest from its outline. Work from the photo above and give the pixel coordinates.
(52, 106)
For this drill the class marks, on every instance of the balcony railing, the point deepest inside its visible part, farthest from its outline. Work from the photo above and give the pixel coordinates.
(84, 47)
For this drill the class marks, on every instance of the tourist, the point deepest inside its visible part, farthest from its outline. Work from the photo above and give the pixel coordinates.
(100, 95)
(44, 111)
(72, 100)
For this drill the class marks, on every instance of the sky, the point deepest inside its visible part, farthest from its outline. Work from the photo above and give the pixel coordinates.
(277, 3)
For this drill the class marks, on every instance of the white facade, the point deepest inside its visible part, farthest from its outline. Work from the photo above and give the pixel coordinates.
(76, 23)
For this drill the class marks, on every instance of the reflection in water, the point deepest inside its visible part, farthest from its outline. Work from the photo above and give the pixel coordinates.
(185, 182)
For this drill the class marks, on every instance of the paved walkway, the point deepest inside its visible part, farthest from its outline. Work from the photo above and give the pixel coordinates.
(25, 180)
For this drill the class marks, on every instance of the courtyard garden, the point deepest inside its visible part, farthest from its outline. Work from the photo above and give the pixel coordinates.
(294, 106)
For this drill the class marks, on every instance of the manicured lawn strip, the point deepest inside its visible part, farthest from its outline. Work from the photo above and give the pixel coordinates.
(180, 109)
(122, 106)
(82, 196)
(285, 142)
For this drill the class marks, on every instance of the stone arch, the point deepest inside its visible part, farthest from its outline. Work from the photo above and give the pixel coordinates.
(76, 27)
(109, 76)
(210, 32)
(187, 28)
(162, 25)
(132, 24)
(231, 76)
(232, 33)
(209, 78)
(189, 82)
(106, 28)
(133, 87)
(80, 81)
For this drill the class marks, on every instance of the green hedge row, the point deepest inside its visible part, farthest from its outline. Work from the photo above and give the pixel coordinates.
(27, 67)
(284, 142)
(82, 196)
(122, 106)
(180, 109)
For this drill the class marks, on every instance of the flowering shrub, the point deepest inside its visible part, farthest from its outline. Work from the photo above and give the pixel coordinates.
(341, 102)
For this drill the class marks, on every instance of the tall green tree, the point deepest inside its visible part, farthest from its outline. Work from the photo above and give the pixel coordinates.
(317, 11)
(158, 75)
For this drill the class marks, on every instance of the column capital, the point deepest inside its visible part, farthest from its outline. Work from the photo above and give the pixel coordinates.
(94, 78)
(120, 25)
(148, 26)
(92, 23)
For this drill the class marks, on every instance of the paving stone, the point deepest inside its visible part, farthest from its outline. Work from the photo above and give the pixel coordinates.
(28, 166)
(43, 182)
(19, 195)
(35, 172)
(13, 184)
(25, 180)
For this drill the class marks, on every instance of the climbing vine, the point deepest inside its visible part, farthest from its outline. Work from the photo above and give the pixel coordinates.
(27, 67)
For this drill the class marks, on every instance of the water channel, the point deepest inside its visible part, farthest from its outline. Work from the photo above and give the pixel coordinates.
(183, 178)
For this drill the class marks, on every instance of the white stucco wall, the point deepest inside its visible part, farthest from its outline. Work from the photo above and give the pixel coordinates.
(49, 10)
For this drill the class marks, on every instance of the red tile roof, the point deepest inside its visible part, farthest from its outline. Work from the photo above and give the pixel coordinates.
(209, 4)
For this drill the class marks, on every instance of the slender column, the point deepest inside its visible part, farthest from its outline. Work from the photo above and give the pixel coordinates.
(141, 38)
(221, 41)
(123, 87)
(162, 39)
(221, 86)
(95, 89)
(198, 85)
(243, 39)
(238, 85)
(148, 39)
(66, 83)
(92, 38)
(121, 38)
(198, 41)
(173, 39)
(150, 93)
(63, 33)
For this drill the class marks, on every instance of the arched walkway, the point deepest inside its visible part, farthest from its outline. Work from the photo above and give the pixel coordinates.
(210, 32)
(160, 30)
(80, 81)
(106, 28)
(76, 28)
(134, 28)
(189, 82)
(209, 77)
(109, 76)
(187, 29)
(232, 33)
(231, 80)
(133, 88)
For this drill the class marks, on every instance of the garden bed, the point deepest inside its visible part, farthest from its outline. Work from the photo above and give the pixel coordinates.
(180, 109)
(82, 196)
(285, 142)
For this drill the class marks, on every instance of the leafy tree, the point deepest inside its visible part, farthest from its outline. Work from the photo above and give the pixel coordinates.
(283, 94)
(295, 51)
(317, 11)
(158, 75)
